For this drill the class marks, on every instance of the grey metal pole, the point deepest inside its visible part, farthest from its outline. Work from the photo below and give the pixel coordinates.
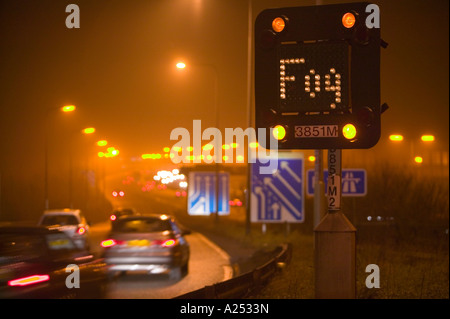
(46, 203)
(217, 146)
(319, 188)
(0, 195)
(249, 114)
(335, 242)
(70, 178)
(46, 137)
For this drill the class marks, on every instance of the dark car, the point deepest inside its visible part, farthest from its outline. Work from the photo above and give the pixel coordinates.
(120, 212)
(153, 244)
(37, 262)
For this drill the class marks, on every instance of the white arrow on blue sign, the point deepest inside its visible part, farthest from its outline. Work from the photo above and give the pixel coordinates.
(354, 182)
(202, 193)
(278, 197)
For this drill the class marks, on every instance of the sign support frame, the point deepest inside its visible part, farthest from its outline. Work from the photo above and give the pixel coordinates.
(335, 244)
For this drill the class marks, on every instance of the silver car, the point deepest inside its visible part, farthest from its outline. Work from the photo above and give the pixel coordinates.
(70, 221)
(149, 243)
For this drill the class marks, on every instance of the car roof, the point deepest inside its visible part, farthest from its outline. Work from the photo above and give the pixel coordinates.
(148, 216)
(121, 209)
(64, 211)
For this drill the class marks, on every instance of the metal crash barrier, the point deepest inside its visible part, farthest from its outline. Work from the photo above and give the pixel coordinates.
(243, 285)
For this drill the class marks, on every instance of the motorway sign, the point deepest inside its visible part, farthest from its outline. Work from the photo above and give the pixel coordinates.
(354, 182)
(278, 197)
(202, 193)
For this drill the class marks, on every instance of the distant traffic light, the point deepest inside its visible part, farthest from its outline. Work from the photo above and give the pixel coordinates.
(317, 76)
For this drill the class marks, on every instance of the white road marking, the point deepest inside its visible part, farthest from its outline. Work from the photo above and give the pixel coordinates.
(227, 269)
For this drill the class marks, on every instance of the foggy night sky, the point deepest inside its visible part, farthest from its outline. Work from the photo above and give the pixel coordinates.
(119, 70)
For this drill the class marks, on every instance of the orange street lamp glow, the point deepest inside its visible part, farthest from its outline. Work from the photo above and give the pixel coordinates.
(418, 159)
(166, 149)
(89, 130)
(100, 154)
(102, 143)
(312, 158)
(68, 108)
(181, 65)
(427, 138)
(396, 137)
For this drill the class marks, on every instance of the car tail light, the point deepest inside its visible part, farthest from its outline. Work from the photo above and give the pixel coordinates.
(108, 243)
(25, 281)
(113, 217)
(81, 230)
(169, 243)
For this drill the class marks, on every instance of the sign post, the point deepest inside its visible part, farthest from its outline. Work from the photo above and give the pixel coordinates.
(335, 242)
(319, 188)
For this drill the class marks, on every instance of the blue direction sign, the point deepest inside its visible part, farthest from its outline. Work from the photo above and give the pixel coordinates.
(202, 193)
(278, 197)
(354, 182)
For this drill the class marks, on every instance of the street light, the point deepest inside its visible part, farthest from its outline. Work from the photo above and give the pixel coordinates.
(88, 130)
(102, 143)
(182, 65)
(68, 108)
(427, 138)
(64, 109)
(396, 137)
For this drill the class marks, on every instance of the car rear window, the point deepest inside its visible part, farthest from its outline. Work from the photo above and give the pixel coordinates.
(144, 225)
(62, 220)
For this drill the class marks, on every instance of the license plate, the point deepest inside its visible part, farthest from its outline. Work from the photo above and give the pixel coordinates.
(138, 242)
(59, 243)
